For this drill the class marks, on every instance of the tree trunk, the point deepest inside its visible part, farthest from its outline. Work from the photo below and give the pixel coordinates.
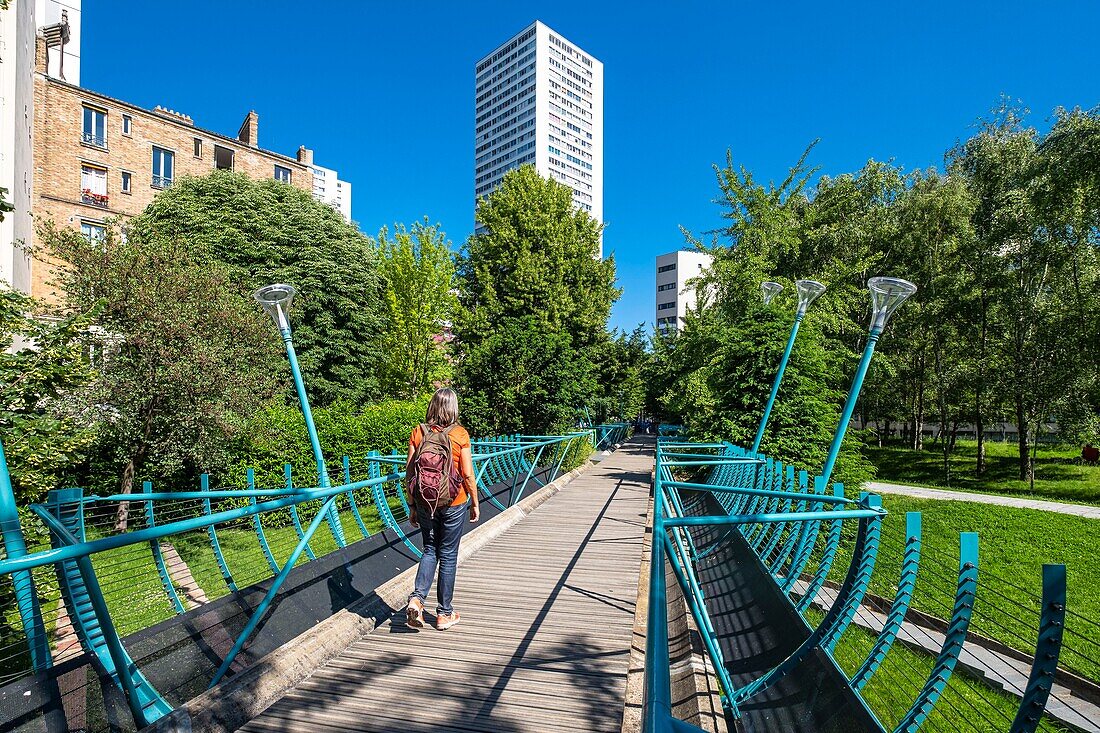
(126, 486)
(1023, 442)
(918, 419)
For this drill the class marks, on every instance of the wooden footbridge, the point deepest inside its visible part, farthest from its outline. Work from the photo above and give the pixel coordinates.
(663, 585)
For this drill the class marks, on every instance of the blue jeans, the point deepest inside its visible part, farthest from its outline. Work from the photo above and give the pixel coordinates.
(441, 533)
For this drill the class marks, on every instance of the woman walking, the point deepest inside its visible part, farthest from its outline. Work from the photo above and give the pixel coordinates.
(441, 483)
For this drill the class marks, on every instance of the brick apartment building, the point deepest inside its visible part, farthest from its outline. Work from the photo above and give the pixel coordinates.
(96, 157)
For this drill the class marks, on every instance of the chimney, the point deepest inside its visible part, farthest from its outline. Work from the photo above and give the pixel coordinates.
(250, 130)
(305, 155)
(41, 54)
(173, 114)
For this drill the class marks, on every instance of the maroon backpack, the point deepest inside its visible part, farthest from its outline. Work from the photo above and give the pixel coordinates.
(433, 482)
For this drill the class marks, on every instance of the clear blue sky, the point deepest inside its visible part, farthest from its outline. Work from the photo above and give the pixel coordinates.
(383, 92)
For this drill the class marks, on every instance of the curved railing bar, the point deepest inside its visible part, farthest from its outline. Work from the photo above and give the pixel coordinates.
(26, 596)
(1048, 647)
(346, 461)
(80, 588)
(840, 613)
(288, 475)
(953, 640)
(488, 467)
(807, 538)
(832, 542)
(277, 583)
(910, 564)
(515, 497)
(158, 556)
(780, 528)
(382, 505)
(821, 498)
(776, 505)
(859, 575)
(257, 525)
(793, 536)
(212, 534)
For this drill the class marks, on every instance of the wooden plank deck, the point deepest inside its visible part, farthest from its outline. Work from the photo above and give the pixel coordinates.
(543, 645)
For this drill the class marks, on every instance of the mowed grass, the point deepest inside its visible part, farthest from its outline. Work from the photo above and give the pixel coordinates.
(1013, 546)
(1059, 473)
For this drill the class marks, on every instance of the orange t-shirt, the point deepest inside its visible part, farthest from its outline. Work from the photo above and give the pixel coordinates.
(459, 439)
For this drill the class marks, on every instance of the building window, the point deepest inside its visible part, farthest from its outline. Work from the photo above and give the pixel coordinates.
(125, 188)
(223, 158)
(663, 288)
(666, 306)
(667, 268)
(127, 125)
(163, 161)
(95, 127)
(93, 231)
(93, 185)
(282, 173)
(198, 148)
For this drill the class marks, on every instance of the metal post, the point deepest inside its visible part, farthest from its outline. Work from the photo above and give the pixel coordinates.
(775, 384)
(850, 403)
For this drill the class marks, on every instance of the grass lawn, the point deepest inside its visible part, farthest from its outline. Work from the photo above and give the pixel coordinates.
(1013, 545)
(1059, 474)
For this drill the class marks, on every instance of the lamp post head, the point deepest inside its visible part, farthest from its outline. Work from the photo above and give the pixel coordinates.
(770, 290)
(887, 293)
(275, 300)
(808, 292)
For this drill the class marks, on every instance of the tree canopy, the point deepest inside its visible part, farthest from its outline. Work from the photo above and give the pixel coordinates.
(268, 231)
(536, 299)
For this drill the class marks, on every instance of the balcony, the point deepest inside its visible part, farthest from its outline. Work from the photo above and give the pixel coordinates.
(161, 181)
(96, 141)
(91, 198)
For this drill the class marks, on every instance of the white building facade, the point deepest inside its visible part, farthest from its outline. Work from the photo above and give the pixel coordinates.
(59, 22)
(329, 189)
(675, 296)
(539, 100)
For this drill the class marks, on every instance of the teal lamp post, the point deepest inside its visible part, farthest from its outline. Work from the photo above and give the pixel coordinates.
(275, 300)
(808, 292)
(887, 294)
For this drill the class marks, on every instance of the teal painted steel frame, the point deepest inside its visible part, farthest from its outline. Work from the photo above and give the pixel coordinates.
(1048, 647)
(26, 598)
(212, 534)
(776, 382)
(907, 582)
(261, 537)
(953, 640)
(158, 556)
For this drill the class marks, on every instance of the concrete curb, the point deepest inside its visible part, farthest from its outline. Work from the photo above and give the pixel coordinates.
(233, 703)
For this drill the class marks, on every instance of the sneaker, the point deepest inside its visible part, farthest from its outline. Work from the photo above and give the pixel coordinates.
(414, 613)
(444, 621)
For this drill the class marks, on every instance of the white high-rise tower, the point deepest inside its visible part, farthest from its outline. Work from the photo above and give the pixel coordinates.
(539, 100)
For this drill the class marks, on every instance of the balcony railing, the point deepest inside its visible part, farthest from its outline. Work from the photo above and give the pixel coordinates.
(90, 138)
(88, 196)
(161, 181)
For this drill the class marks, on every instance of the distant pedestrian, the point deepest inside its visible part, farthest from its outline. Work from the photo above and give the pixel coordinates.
(441, 483)
(1090, 453)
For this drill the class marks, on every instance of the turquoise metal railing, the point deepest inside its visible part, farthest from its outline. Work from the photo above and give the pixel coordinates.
(796, 530)
(98, 569)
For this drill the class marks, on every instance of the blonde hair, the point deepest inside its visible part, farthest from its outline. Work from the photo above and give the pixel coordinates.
(443, 409)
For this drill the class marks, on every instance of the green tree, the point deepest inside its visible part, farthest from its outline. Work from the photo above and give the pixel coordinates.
(420, 295)
(536, 299)
(267, 231)
(185, 355)
(537, 257)
(42, 363)
(523, 378)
